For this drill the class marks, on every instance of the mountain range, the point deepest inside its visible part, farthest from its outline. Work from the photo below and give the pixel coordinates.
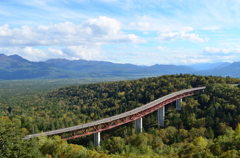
(14, 67)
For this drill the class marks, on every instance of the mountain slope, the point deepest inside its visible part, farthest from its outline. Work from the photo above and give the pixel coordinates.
(232, 70)
(16, 67)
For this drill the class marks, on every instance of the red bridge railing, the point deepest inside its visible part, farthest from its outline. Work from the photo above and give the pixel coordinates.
(120, 119)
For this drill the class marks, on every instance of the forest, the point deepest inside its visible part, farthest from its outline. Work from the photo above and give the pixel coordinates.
(207, 126)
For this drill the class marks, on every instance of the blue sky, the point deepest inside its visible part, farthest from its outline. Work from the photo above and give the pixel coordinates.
(141, 32)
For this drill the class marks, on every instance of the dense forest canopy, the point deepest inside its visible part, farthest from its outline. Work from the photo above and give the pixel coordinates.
(207, 125)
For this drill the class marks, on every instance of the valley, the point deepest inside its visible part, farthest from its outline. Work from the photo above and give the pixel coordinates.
(198, 129)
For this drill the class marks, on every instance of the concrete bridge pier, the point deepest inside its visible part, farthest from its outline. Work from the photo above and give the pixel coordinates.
(178, 104)
(161, 115)
(97, 139)
(138, 125)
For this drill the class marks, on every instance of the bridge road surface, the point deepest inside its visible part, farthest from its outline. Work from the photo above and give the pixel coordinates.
(116, 117)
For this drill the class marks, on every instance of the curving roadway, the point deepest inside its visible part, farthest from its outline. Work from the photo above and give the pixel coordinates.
(116, 117)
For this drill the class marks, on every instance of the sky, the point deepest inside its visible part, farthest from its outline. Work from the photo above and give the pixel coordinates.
(141, 32)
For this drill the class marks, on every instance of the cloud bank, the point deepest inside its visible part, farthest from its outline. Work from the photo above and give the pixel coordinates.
(182, 34)
(99, 31)
(151, 32)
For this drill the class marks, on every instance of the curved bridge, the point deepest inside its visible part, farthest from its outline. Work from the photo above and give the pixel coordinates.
(120, 119)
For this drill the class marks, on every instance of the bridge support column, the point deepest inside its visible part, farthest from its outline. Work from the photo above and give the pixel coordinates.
(97, 139)
(161, 114)
(138, 125)
(178, 104)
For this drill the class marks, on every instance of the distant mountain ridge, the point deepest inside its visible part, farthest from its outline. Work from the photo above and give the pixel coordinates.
(15, 67)
(209, 66)
(232, 70)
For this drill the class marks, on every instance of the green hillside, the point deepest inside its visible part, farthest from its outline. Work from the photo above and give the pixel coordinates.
(207, 125)
(14, 67)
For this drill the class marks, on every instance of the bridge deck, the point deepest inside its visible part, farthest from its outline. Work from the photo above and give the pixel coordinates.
(116, 117)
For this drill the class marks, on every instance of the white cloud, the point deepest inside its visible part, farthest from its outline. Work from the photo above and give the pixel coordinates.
(103, 30)
(143, 26)
(83, 52)
(150, 23)
(162, 48)
(81, 41)
(5, 31)
(34, 54)
(70, 52)
(182, 34)
(221, 50)
(103, 26)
